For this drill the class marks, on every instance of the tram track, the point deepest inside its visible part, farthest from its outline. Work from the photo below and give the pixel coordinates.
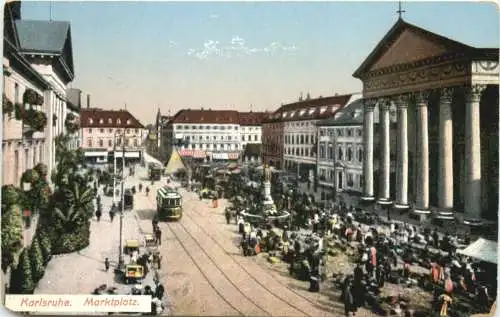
(242, 267)
(182, 243)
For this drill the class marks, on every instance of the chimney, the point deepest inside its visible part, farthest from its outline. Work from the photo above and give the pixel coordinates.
(88, 101)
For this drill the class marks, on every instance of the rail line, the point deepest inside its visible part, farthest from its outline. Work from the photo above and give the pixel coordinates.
(246, 270)
(169, 225)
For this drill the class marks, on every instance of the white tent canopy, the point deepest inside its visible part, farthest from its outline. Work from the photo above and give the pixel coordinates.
(482, 249)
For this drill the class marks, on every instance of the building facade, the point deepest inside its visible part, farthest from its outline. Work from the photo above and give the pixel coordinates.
(102, 135)
(205, 134)
(251, 135)
(36, 73)
(447, 124)
(272, 141)
(340, 151)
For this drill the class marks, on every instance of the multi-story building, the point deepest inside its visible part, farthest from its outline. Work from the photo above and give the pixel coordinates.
(102, 135)
(163, 137)
(205, 134)
(251, 135)
(446, 95)
(272, 141)
(38, 64)
(340, 151)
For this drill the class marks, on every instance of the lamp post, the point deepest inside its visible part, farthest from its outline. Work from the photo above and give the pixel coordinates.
(120, 258)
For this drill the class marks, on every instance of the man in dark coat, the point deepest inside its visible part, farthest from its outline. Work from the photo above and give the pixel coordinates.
(348, 297)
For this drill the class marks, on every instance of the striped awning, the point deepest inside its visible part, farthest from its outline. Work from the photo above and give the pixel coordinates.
(233, 156)
(225, 155)
(192, 153)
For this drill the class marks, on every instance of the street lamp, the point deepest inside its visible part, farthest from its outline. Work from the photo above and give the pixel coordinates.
(120, 256)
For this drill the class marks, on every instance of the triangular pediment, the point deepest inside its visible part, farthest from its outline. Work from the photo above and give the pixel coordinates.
(406, 43)
(409, 47)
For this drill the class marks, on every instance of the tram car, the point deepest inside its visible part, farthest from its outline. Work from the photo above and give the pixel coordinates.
(168, 204)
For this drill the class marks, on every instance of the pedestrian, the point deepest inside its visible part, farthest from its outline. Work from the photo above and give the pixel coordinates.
(227, 213)
(160, 290)
(160, 258)
(158, 236)
(98, 214)
(112, 213)
(155, 222)
(348, 298)
(106, 264)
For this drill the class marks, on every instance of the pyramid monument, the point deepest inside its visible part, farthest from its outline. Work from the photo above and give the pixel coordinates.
(174, 163)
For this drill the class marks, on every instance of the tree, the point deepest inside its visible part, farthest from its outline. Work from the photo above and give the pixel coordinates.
(21, 280)
(45, 245)
(12, 234)
(36, 259)
(80, 198)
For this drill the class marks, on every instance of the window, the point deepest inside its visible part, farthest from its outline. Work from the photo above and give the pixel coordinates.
(180, 127)
(90, 130)
(136, 143)
(128, 122)
(89, 142)
(16, 165)
(360, 155)
(101, 142)
(110, 130)
(349, 132)
(322, 151)
(256, 137)
(101, 121)
(136, 131)
(101, 130)
(340, 132)
(127, 142)
(127, 131)
(349, 154)
(110, 142)
(350, 180)
(359, 132)
(242, 138)
(91, 121)
(16, 93)
(340, 155)
(110, 120)
(118, 121)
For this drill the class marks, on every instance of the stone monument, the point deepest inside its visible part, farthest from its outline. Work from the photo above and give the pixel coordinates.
(268, 205)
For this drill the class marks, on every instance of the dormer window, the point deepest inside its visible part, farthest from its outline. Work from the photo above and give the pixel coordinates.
(311, 111)
(128, 122)
(334, 108)
(91, 121)
(101, 121)
(292, 114)
(323, 109)
(118, 121)
(302, 112)
(110, 120)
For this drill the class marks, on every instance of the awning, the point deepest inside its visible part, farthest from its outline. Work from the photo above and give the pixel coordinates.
(96, 153)
(482, 249)
(233, 155)
(220, 156)
(128, 154)
(193, 153)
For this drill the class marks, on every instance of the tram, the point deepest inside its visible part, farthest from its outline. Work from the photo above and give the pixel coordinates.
(168, 204)
(154, 172)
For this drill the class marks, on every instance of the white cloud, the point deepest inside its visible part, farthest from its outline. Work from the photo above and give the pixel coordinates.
(214, 16)
(172, 43)
(237, 46)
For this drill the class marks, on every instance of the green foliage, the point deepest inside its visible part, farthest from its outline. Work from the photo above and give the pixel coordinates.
(12, 234)
(30, 176)
(36, 257)
(71, 242)
(10, 195)
(21, 280)
(45, 245)
(41, 169)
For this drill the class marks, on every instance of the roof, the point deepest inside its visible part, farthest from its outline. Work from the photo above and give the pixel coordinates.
(310, 109)
(251, 118)
(98, 118)
(47, 37)
(445, 45)
(42, 36)
(206, 116)
(352, 114)
(482, 249)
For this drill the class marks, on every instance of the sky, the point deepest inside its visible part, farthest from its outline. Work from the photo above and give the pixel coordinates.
(238, 55)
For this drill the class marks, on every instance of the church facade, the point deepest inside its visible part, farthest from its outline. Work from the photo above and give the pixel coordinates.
(445, 144)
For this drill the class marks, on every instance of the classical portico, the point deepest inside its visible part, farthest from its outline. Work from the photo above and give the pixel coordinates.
(446, 96)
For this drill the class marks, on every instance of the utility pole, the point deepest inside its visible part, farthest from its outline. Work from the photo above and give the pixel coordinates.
(114, 169)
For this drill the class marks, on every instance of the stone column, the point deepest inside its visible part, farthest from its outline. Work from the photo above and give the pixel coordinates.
(402, 154)
(422, 198)
(445, 177)
(473, 153)
(369, 106)
(385, 160)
